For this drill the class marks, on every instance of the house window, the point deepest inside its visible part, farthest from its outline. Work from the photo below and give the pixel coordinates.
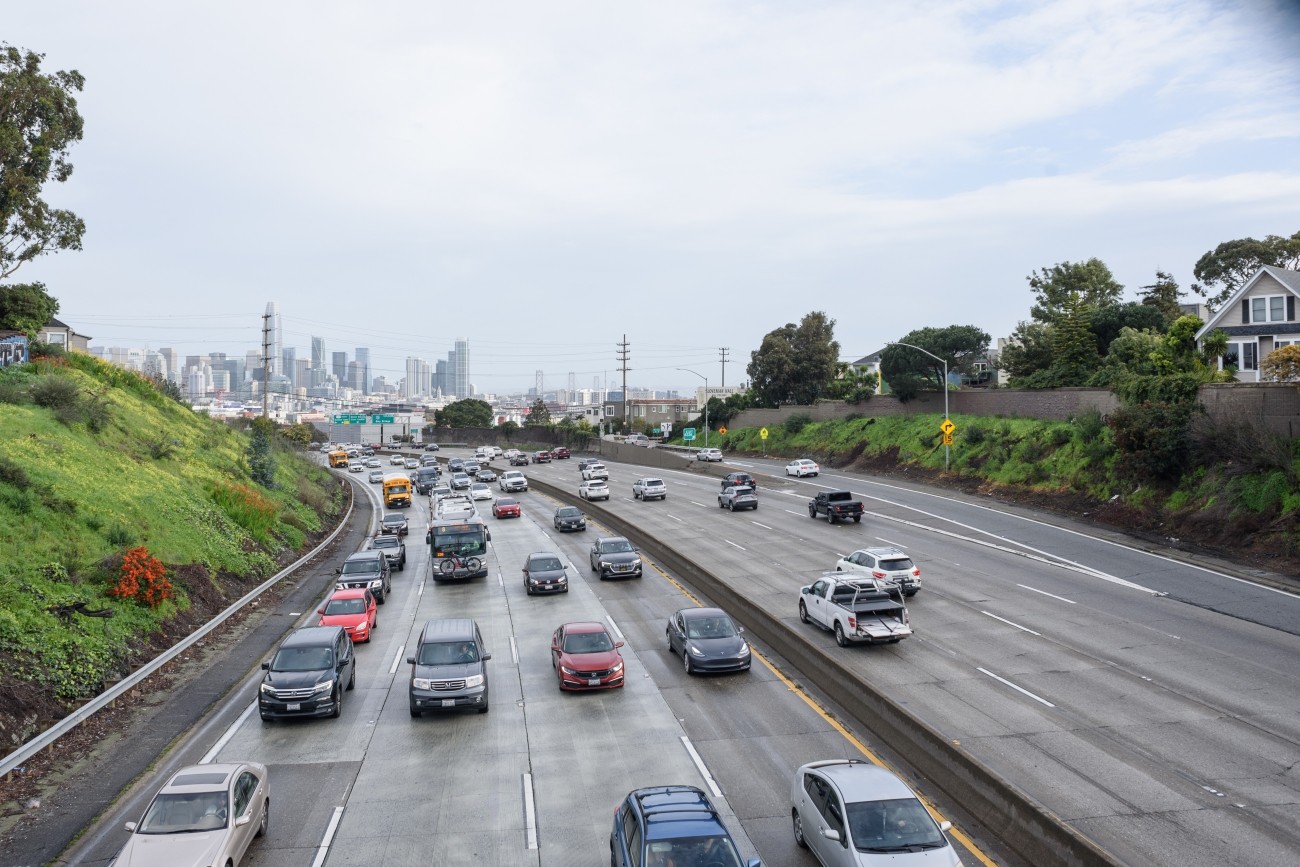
(57, 338)
(1271, 308)
(1246, 353)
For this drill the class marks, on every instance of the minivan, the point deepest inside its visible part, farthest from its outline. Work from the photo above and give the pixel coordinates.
(449, 668)
(308, 674)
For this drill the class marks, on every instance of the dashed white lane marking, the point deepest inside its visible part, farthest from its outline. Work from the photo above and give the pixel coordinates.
(397, 660)
(675, 518)
(1045, 593)
(732, 544)
(693, 503)
(530, 813)
(1009, 623)
(229, 733)
(1018, 689)
(703, 769)
(612, 625)
(764, 526)
(323, 850)
(514, 650)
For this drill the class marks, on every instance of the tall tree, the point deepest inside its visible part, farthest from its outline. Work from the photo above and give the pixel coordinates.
(795, 364)
(38, 123)
(539, 415)
(1107, 322)
(26, 307)
(1162, 295)
(1232, 263)
(960, 345)
(1074, 347)
(465, 413)
(1091, 281)
(1028, 351)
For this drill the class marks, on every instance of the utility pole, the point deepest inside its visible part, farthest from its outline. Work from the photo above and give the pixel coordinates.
(266, 362)
(622, 361)
(722, 352)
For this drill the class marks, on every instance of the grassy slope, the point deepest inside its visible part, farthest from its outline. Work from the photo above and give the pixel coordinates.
(147, 478)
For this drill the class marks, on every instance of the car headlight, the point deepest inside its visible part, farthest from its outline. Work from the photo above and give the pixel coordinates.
(637, 562)
(605, 564)
(616, 669)
(338, 585)
(568, 670)
(421, 683)
(266, 687)
(474, 680)
(324, 686)
(695, 651)
(744, 650)
(377, 583)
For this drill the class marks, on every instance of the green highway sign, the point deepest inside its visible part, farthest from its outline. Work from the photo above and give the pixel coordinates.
(350, 418)
(381, 419)
(657, 431)
(688, 434)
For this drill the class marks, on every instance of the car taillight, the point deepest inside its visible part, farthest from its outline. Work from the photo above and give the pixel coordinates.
(876, 573)
(916, 572)
(853, 622)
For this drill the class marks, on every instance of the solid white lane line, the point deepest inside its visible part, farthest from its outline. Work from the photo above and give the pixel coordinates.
(228, 734)
(693, 503)
(699, 764)
(397, 660)
(612, 625)
(530, 813)
(323, 850)
(1009, 623)
(1045, 593)
(1016, 688)
(514, 650)
(732, 544)
(675, 518)
(739, 464)
(764, 526)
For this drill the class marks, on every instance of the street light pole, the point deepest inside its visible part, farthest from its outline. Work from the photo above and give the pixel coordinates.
(706, 403)
(947, 450)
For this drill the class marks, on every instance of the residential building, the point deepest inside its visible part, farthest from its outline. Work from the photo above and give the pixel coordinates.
(1258, 318)
(60, 334)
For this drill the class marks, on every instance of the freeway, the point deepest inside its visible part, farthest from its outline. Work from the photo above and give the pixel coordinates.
(1150, 703)
(537, 779)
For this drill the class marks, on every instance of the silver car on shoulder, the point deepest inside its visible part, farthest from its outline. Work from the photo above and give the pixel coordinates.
(205, 814)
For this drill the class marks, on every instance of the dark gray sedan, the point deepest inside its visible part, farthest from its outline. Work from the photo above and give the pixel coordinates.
(544, 573)
(570, 518)
(708, 640)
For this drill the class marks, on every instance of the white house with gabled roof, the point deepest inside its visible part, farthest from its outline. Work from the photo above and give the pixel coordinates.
(1258, 318)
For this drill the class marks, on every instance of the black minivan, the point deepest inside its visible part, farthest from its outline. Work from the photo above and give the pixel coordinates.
(308, 675)
(449, 668)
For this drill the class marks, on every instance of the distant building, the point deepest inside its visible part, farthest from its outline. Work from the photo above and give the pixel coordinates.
(60, 334)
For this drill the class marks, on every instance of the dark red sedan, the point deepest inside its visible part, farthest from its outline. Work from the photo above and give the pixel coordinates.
(542, 457)
(560, 453)
(585, 656)
(506, 507)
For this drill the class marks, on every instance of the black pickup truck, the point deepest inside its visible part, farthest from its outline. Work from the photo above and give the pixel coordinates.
(836, 506)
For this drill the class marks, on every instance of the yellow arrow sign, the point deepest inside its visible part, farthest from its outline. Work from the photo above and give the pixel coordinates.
(947, 427)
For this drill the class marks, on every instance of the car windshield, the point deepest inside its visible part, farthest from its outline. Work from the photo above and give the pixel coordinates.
(458, 544)
(545, 564)
(896, 564)
(397, 487)
(183, 813)
(448, 653)
(386, 542)
(616, 546)
(394, 519)
(303, 659)
(899, 825)
(652, 483)
(596, 483)
(587, 642)
(716, 626)
(568, 512)
(692, 852)
(507, 501)
(344, 606)
(479, 486)
(361, 567)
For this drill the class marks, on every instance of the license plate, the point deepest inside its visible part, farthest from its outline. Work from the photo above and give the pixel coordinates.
(593, 681)
(449, 702)
(294, 706)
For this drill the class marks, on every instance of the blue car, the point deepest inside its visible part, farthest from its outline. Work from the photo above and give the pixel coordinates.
(672, 825)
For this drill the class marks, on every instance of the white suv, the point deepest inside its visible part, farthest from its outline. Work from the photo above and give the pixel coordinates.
(884, 564)
(595, 471)
(649, 489)
(709, 455)
(513, 480)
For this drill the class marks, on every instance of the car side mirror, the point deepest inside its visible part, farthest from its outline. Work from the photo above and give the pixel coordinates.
(944, 826)
(266, 666)
(410, 660)
(831, 834)
(130, 826)
(754, 862)
(486, 657)
(243, 820)
(740, 629)
(338, 570)
(320, 610)
(618, 643)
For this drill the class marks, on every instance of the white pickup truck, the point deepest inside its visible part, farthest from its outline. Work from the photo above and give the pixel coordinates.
(858, 610)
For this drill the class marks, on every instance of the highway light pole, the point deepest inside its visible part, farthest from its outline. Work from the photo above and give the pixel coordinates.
(947, 450)
(706, 403)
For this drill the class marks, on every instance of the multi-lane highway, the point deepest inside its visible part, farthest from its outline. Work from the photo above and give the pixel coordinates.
(1149, 702)
(536, 780)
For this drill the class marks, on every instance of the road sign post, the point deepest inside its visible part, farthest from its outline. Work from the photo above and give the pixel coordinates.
(763, 433)
(688, 434)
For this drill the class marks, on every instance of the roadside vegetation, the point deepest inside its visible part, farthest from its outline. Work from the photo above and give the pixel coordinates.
(127, 519)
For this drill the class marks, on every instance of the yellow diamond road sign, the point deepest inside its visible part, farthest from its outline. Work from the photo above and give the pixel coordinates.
(947, 427)
(763, 433)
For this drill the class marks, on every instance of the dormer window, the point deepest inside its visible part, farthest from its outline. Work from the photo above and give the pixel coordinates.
(1269, 308)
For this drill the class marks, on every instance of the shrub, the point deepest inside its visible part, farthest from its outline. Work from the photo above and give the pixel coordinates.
(13, 391)
(96, 410)
(55, 392)
(143, 579)
(975, 435)
(796, 423)
(13, 474)
(93, 522)
(1152, 439)
(247, 507)
(1058, 436)
(119, 536)
(1089, 423)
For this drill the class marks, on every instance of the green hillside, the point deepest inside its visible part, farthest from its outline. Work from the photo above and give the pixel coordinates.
(95, 463)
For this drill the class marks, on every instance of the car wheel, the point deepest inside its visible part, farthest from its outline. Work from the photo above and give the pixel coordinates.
(686, 661)
(830, 518)
(483, 709)
(812, 513)
(839, 635)
(910, 594)
(265, 718)
(338, 703)
(798, 830)
(379, 597)
(803, 613)
(352, 678)
(415, 712)
(266, 819)
(857, 519)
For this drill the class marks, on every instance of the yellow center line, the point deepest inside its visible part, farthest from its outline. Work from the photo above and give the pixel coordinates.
(961, 836)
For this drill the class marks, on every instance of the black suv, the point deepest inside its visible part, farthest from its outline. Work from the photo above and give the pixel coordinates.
(570, 518)
(449, 668)
(671, 825)
(308, 674)
(615, 557)
(731, 480)
(366, 569)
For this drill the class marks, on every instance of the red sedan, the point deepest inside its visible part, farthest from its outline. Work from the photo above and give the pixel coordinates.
(354, 610)
(585, 656)
(560, 453)
(506, 507)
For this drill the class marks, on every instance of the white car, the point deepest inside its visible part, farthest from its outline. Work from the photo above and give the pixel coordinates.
(480, 491)
(397, 460)
(513, 481)
(356, 466)
(510, 453)
(802, 467)
(594, 489)
(455, 507)
(649, 489)
(595, 471)
(884, 564)
(709, 455)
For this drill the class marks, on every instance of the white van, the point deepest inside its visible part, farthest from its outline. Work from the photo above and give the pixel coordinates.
(483, 454)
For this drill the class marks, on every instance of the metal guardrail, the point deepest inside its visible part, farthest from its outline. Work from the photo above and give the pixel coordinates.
(81, 714)
(1021, 822)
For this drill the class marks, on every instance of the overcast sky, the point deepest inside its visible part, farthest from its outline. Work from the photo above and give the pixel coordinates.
(542, 178)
